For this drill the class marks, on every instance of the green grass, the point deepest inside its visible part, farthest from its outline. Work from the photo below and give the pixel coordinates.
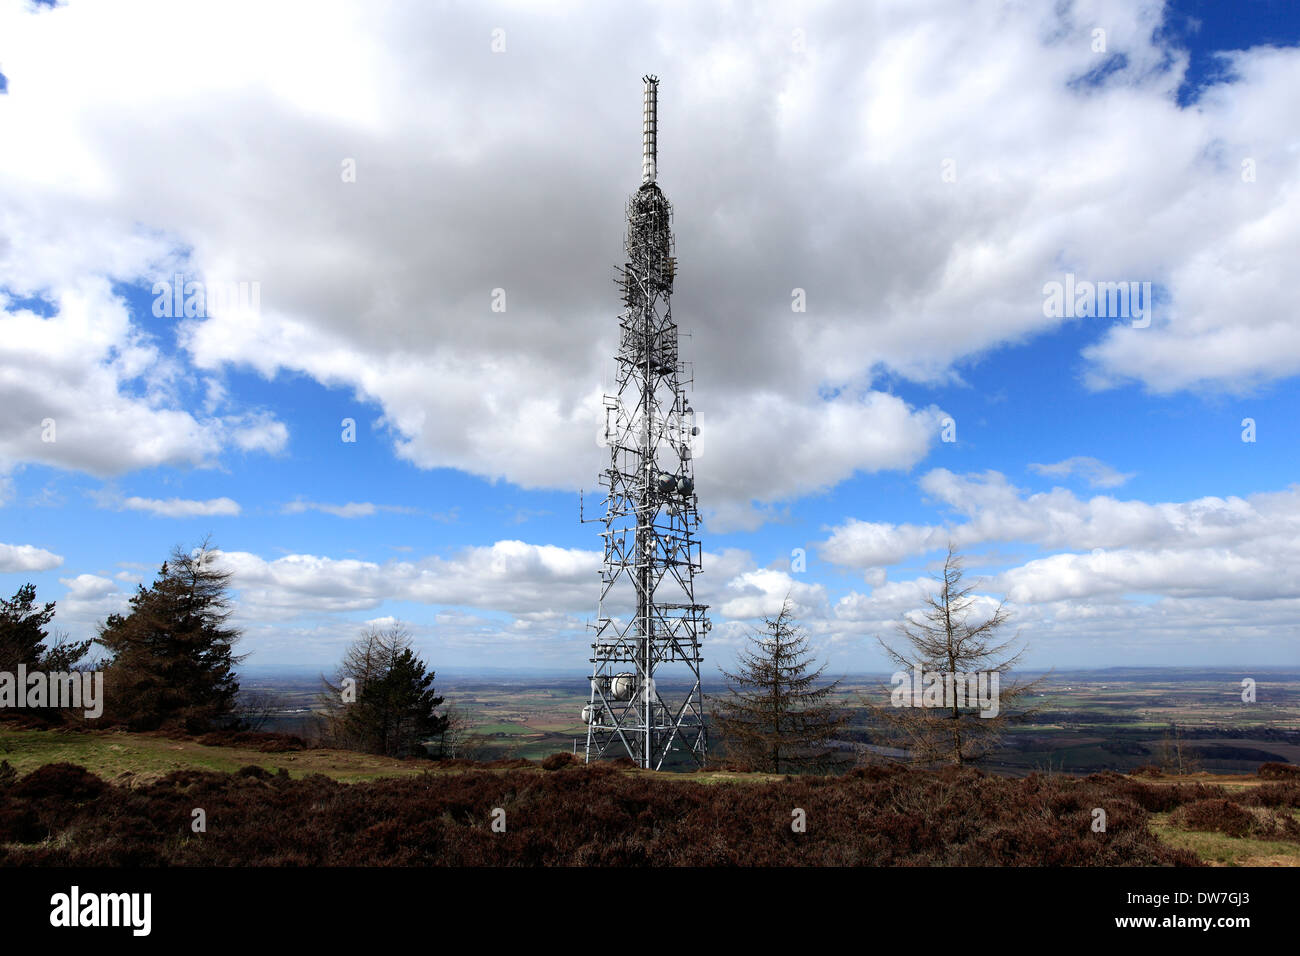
(504, 728)
(112, 755)
(1224, 850)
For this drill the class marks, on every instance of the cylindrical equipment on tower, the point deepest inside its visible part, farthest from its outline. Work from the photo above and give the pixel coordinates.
(649, 130)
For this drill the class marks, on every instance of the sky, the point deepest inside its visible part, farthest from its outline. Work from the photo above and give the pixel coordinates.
(406, 219)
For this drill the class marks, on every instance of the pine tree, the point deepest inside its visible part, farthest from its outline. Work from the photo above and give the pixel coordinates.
(775, 717)
(23, 629)
(391, 705)
(944, 643)
(172, 662)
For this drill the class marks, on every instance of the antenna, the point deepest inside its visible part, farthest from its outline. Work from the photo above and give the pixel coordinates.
(646, 698)
(649, 129)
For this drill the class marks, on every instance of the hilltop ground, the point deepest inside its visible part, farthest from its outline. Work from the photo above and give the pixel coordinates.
(133, 804)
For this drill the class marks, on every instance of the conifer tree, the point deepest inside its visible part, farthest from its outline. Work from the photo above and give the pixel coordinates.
(25, 640)
(24, 630)
(777, 716)
(382, 700)
(951, 649)
(172, 662)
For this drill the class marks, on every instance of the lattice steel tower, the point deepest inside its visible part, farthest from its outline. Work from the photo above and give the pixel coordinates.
(646, 701)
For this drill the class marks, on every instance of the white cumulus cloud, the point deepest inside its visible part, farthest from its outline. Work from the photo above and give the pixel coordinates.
(26, 557)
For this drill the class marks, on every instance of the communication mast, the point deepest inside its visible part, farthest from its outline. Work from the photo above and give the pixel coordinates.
(646, 700)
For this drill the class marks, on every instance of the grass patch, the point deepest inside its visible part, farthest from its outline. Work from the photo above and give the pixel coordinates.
(503, 728)
(116, 755)
(1219, 849)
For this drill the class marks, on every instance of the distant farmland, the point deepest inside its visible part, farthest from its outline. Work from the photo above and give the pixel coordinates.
(1086, 722)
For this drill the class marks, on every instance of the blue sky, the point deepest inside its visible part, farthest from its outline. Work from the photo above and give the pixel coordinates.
(1099, 480)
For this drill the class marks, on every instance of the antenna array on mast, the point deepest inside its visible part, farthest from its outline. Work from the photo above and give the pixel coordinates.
(646, 700)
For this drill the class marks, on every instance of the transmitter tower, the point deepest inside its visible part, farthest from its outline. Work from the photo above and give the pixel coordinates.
(646, 701)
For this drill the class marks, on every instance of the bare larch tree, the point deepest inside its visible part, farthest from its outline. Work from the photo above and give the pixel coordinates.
(949, 652)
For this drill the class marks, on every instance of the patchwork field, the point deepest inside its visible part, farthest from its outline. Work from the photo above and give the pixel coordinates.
(1085, 722)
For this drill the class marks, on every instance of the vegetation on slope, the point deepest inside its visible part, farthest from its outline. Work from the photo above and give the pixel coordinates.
(60, 814)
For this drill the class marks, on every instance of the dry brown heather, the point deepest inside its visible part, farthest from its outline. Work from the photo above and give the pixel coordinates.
(61, 815)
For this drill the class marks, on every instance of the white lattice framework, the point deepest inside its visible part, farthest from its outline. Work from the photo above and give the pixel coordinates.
(651, 520)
